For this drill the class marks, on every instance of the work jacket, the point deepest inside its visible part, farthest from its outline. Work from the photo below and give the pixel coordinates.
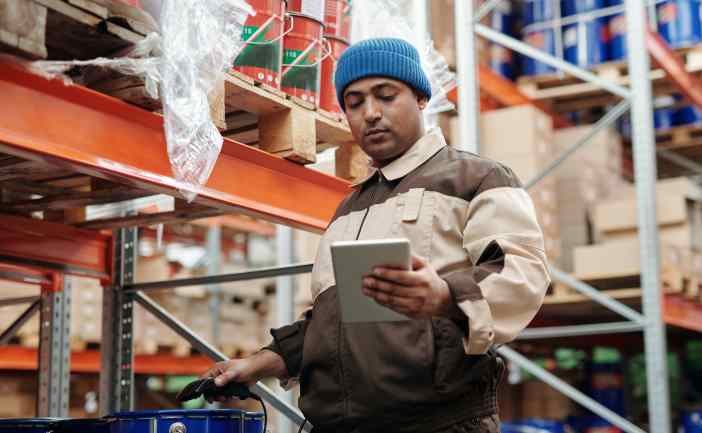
(472, 221)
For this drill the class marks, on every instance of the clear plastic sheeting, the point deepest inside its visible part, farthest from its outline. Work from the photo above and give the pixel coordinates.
(387, 18)
(199, 41)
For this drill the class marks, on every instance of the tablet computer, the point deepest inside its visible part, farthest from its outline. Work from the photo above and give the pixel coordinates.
(352, 260)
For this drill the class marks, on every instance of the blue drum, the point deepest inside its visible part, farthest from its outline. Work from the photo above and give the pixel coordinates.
(572, 7)
(536, 11)
(85, 425)
(29, 425)
(687, 115)
(253, 422)
(691, 421)
(183, 421)
(679, 22)
(501, 58)
(585, 43)
(617, 37)
(544, 41)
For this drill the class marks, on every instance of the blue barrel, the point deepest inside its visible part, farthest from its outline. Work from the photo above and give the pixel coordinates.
(572, 7)
(617, 37)
(545, 425)
(536, 11)
(28, 425)
(679, 22)
(542, 40)
(691, 421)
(253, 422)
(585, 43)
(98, 425)
(687, 115)
(501, 59)
(195, 420)
(664, 113)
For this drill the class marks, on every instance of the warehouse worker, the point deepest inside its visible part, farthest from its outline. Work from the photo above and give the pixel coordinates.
(478, 272)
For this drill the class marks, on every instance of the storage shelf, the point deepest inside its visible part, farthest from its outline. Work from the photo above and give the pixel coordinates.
(88, 361)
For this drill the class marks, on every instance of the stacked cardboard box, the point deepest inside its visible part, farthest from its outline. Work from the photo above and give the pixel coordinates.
(521, 138)
(591, 173)
(615, 226)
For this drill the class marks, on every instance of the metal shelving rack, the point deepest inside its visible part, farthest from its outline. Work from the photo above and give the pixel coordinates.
(638, 98)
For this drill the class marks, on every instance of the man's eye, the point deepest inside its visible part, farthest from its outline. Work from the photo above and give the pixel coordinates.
(387, 97)
(354, 104)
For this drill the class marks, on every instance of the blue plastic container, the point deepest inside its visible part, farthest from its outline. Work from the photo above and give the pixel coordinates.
(536, 11)
(194, 421)
(585, 43)
(679, 22)
(572, 7)
(27, 425)
(501, 59)
(664, 113)
(691, 421)
(253, 422)
(545, 425)
(617, 37)
(99, 425)
(542, 40)
(687, 115)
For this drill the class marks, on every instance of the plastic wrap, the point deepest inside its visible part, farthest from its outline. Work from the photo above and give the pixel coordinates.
(386, 18)
(199, 41)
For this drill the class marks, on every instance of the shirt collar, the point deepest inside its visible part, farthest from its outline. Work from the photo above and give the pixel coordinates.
(420, 152)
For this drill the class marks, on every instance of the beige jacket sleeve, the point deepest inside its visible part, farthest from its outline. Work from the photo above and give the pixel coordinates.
(506, 286)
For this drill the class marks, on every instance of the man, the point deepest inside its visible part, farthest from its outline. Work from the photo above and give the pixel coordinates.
(478, 277)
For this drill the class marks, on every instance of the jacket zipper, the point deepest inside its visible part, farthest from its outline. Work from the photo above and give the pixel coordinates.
(341, 330)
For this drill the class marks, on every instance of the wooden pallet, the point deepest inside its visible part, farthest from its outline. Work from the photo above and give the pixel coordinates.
(69, 29)
(565, 93)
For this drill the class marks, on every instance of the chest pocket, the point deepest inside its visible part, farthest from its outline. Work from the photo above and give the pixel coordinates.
(414, 219)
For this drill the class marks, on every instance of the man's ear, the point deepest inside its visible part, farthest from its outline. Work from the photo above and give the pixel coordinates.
(422, 101)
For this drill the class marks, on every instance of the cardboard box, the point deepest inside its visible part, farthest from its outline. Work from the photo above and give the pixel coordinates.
(603, 151)
(621, 215)
(621, 258)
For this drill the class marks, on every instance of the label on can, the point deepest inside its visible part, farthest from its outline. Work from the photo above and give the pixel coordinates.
(536, 40)
(570, 37)
(618, 25)
(304, 74)
(667, 13)
(264, 53)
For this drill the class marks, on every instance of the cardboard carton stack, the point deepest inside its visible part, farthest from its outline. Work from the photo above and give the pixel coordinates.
(589, 175)
(615, 227)
(522, 139)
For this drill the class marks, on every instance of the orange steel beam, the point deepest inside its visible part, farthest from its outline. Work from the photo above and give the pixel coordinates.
(55, 247)
(97, 135)
(508, 94)
(25, 358)
(668, 60)
(239, 223)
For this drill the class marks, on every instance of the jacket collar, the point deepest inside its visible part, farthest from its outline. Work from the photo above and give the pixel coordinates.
(420, 152)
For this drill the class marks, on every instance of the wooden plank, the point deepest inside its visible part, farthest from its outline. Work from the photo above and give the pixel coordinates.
(89, 6)
(217, 108)
(242, 94)
(29, 187)
(332, 131)
(351, 162)
(23, 28)
(290, 134)
(170, 217)
(76, 199)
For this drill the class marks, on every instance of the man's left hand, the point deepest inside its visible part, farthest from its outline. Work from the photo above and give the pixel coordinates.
(419, 293)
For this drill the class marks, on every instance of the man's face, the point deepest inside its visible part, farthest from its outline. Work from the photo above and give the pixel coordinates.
(385, 117)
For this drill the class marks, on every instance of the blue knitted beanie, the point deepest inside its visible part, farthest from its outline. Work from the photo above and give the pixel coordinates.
(381, 57)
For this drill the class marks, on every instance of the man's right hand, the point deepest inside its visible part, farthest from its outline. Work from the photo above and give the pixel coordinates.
(249, 370)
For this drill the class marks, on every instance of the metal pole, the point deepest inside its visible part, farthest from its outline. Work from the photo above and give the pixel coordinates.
(557, 63)
(11, 330)
(484, 9)
(117, 357)
(568, 390)
(211, 352)
(214, 267)
(602, 124)
(285, 305)
(466, 66)
(578, 330)
(596, 295)
(54, 352)
(16, 301)
(299, 268)
(645, 173)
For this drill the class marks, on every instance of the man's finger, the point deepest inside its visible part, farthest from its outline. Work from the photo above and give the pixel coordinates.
(418, 262)
(406, 278)
(225, 377)
(382, 286)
